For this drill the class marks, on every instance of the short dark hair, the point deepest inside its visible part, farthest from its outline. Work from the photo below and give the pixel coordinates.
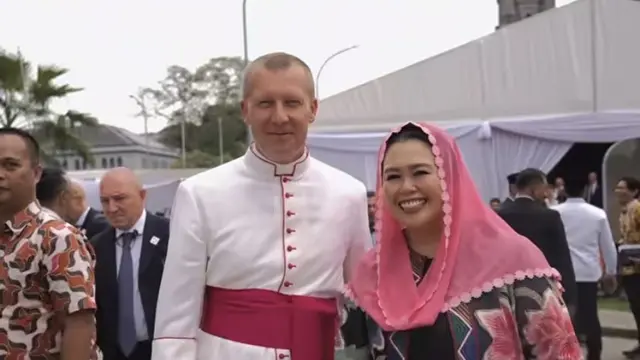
(529, 177)
(493, 200)
(574, 186)
(633, 184)
(511, 178)
(371, 194)
(32, 144)
(52, 183)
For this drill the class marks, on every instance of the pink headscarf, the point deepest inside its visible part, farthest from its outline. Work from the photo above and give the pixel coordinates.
(478, 252)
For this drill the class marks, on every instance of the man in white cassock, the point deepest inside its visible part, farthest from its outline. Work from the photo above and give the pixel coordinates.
(261, 246)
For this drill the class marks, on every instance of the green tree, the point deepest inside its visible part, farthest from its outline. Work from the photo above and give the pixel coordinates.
(25, 103)
(203, 105)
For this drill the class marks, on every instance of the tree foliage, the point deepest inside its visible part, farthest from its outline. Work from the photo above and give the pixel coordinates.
(207, 100)
(25, 102)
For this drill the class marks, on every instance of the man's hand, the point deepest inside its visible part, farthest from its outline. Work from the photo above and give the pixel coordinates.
(609, 284)
(77, 336)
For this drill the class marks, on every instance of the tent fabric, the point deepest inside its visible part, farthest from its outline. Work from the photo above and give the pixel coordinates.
(491, 149)
(577, 59)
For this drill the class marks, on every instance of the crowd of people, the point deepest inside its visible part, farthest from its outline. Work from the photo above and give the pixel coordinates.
(274, 255)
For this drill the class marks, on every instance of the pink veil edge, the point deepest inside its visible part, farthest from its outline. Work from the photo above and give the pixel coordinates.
(383, 284)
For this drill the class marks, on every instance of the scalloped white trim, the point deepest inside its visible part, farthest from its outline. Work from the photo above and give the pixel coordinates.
(508, 279)
(487, 287)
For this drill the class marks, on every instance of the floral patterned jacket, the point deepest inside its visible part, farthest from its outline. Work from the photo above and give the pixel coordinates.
(522, 321)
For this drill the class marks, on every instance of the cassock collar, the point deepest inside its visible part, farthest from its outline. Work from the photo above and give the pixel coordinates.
(261, 165)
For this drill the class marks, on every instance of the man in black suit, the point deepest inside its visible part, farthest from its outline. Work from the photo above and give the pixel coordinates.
(130, 260)
(592, 191)
(511, 179)
(543, 226)
(79, 213)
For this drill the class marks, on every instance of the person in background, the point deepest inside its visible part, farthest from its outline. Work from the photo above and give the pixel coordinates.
(130, 261)
(371, 208)
(438, 246)
(226, 292)
(495, 204)
(47, 276)
(542, 226)
(627, 192)
(593, 191)
(79, 213)
(51, 191)
(589, 236)
(511, 180)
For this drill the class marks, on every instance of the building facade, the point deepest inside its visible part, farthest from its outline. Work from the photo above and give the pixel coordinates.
(511, 11)
(113, 147)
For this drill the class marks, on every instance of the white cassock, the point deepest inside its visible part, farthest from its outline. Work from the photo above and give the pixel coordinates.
(296, 229)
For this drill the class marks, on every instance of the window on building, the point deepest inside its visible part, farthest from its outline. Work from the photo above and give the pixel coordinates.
(77, 164)
(119, 161)
(104, 163)
(112, 163)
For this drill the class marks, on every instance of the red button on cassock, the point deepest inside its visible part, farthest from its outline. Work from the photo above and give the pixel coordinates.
(287, 284)
(291, 266)
(285, 179)
(290, 231)
(290, 248)
(288, 195)
(290, 213)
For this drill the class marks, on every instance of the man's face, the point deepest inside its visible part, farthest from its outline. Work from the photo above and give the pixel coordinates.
(279, 109)
(371, 206)
(122, 203)
(593, 178)
(74, 206)
(559, 183)
(18, 175)
(623, 193)
(495, 205)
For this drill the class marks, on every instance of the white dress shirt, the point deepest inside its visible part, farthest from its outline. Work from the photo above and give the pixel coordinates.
(589, 236)
(234, 225)
(136, 250)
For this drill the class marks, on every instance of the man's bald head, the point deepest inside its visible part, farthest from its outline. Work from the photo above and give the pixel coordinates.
(122, 197)
(277, 61)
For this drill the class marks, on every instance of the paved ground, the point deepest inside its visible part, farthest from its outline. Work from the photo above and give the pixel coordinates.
(617, 324)
(613, 348)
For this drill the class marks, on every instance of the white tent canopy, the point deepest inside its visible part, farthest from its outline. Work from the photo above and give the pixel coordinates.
(580, 58)
(520, 97)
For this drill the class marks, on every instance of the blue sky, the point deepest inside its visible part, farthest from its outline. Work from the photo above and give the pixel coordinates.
(115, 47)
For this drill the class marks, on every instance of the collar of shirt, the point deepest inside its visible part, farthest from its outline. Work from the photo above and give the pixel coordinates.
(523, 196)
(138, 226)
(575, 200)
(83, 217)
(53, 213)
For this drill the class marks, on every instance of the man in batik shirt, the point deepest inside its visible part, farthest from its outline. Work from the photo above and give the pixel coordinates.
(46, 268)
(627, 191)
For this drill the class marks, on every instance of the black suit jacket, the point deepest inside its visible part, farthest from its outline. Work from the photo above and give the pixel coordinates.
(544, 227)
(152, 259)
(594, 199)
(94, 223)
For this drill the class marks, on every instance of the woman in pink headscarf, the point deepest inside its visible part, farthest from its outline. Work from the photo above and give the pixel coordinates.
(448, 279)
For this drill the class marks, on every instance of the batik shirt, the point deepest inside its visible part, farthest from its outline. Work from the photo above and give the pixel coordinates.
(526, 320)
(46, 272)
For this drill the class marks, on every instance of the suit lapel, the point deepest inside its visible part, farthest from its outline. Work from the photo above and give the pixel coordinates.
(148, 248)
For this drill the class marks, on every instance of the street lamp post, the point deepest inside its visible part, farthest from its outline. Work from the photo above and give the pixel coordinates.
(245, 40)
(145, 116)
(331, 57)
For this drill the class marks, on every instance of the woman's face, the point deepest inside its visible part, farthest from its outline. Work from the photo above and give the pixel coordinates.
(411, 185)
